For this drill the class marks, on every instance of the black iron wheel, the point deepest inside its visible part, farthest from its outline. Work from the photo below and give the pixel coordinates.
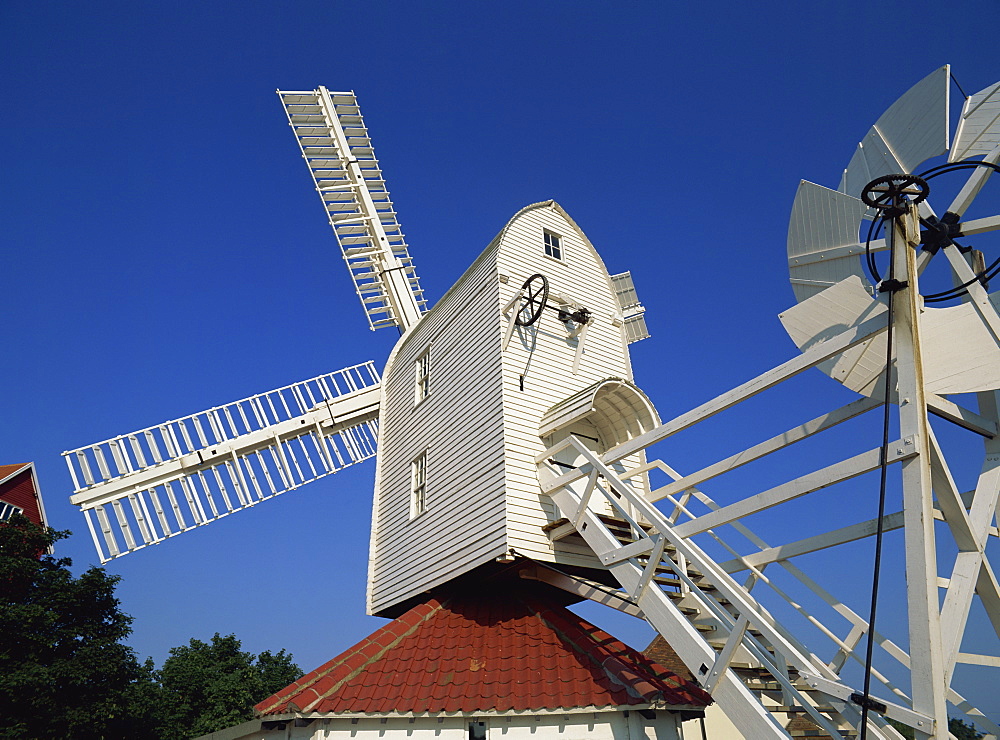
(887, 193)
(536, 293)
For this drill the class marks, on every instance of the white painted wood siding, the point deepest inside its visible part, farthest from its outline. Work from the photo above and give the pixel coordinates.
(596, 725)
(460, 425)
(480, 430)
(544, 355)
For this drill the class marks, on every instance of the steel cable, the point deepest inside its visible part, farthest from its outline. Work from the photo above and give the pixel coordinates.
(880, 528)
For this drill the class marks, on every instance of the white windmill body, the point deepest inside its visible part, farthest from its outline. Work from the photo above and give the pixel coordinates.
(465, 395)
(513, 444)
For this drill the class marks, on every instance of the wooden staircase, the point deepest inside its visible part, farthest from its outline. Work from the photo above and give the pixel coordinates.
(734, 650)
(757, 678)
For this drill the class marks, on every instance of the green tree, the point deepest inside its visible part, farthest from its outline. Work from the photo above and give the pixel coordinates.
(963, 731)
(64, 672)
(903, 730)
(209, 686)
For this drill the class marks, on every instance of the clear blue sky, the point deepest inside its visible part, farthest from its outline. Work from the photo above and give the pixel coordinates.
(163, 249)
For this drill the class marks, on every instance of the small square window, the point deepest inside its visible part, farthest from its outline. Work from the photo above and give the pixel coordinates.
(553, 244)
(422, 386)
(477, 731)
(418, 486)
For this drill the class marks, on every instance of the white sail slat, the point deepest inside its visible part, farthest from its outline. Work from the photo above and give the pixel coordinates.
(979, 128)
(823, 245)
(335, 144)
(341, 424)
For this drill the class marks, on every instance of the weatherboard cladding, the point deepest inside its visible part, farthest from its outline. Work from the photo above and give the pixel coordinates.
(476, 653)
(17, 487)
(544, 356)
(479, 428)
(459, 424)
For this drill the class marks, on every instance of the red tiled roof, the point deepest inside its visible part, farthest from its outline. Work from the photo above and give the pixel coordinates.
(512, 652)
(7, 470)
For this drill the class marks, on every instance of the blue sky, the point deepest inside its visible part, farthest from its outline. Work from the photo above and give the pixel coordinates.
(163, 249)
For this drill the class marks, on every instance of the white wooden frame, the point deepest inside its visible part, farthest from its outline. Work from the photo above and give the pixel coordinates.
(744, 629)
(335, 144)
(158, 482)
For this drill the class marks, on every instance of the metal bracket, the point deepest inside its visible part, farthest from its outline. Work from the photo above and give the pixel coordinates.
(837, 690)
(891, 285)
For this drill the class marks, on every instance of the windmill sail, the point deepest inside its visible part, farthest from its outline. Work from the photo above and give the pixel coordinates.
(166, 479)
(633, 312)
(335, 144)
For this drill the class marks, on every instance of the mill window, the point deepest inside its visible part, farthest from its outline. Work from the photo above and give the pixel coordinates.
(418, 486)
(553, 245)
(423, 376)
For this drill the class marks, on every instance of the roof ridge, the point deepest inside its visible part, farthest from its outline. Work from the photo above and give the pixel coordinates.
(385, 648)
(299, 686)
(617, 675)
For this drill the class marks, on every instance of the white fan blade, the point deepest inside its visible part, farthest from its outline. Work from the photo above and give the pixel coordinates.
(911, 131)
(823, 245)
(960, 353)
(838, 308)
(979, 128)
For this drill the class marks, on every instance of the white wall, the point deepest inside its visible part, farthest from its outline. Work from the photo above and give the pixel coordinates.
(717, 726)
(583, 726)
(460, 424)
(543, 354)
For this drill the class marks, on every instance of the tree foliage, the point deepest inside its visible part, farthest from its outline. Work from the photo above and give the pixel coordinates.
(209, 686)
(963, 731)
(64, 671)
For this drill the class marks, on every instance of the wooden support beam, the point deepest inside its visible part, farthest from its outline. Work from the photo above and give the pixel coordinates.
(778, 442)
(838, 472)
(810, 358)
(927, 671)
(963, 417)
(818, 542)
(581, 587)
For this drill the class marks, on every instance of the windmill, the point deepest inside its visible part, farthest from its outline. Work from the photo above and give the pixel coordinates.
(140, 488)
(509, 430)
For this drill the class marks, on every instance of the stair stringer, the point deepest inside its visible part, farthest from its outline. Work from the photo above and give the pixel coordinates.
(744, 708)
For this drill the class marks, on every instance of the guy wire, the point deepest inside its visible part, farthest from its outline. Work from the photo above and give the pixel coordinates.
(884, 455)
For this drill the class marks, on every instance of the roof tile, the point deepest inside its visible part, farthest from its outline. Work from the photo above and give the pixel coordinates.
(511, 651)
